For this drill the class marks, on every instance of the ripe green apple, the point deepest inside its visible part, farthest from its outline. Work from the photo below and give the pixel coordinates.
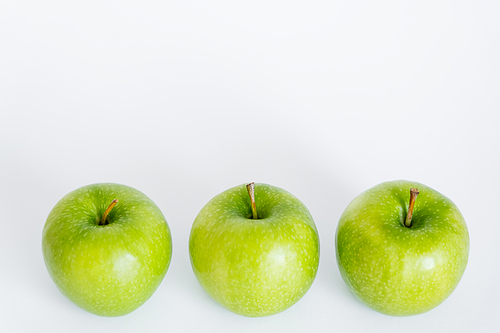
(255, 261)
(395, 269)
(107, 247)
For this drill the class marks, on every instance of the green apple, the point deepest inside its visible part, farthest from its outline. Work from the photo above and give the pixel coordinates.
(256, 257)
(107, 247)
(399, 254)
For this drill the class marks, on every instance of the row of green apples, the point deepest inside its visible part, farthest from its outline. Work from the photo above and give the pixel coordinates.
(255, 248)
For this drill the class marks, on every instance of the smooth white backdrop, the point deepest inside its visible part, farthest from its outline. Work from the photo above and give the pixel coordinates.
(184, 99)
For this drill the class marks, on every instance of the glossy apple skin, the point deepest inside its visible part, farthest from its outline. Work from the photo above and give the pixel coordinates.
(108, 270)
(255, 267)
(393, 269)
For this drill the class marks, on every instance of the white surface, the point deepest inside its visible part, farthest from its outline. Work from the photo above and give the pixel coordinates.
(182, 101)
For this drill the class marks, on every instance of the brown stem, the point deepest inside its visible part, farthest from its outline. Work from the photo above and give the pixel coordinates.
(110, 207)
(251, 192)
(413, 196)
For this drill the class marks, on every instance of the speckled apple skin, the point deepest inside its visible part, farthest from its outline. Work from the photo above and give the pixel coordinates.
(393, 269)
(108, 270)
(255, 267)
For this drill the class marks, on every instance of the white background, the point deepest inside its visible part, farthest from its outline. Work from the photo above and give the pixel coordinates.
(184, 99)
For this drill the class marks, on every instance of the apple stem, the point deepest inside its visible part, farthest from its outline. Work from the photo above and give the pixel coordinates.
(251, 192)
(413, 196)
(105, 215)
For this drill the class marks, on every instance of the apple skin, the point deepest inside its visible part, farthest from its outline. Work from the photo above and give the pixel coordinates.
(393, 269)
(109, 270)
(255, 267)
